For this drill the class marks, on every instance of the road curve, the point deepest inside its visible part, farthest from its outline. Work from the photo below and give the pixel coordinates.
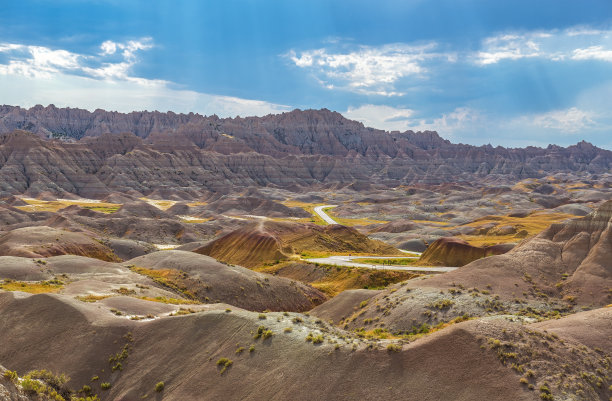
(346, 261)
(319, 210)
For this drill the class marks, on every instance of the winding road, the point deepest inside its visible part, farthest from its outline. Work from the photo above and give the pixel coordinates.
(319, 210)
(347, 261)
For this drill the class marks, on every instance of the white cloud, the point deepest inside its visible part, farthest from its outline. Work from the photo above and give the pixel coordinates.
(511, 47)
(39, 75)
(572, 120)
(461, 118)
(367, 69)
(401, 119)
(593, 53)
(108, 47)
(381, 116)
(574, 43)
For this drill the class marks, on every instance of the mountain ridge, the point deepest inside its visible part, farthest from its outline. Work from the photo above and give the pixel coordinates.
(94, 154)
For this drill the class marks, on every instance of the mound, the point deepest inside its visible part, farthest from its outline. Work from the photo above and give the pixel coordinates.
(398, 226)
(211, 281)
(36, 242)
(265, 242)
(483, 359)
(140, 209)
(254, 206)
(449, 251)
(559, 271)
(129, 249)
(413, 245)
(591, 328)
(296, 369)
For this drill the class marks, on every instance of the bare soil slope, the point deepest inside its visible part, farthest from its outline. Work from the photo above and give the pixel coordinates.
(266, 242)
(36, 242)
(207, 280)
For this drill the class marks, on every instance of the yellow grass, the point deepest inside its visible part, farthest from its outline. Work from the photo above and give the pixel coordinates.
(31, 287)
(37, 205)
(92, 298)
(339, 278)
(160, 203)
(533, 224)
(192, 204)
(309, 207)
(172, 301)
(192, 219)
(431, 222)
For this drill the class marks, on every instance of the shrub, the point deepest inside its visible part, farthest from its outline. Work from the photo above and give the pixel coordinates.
(394, 348)
(159, 387)
(105, 386)
(363, 304)
(252, 348)
(318, 339)
(11, 375)
(224, 363)
(262, 316)
(297, 320)
(288, 330)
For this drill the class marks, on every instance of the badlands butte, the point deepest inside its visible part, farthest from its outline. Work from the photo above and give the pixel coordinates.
(181, 257)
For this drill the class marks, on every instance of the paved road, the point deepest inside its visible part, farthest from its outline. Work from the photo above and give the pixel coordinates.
(319, 210)
(347, 261)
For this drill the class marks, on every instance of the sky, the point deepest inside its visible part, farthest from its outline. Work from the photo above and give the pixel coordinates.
(510, 73)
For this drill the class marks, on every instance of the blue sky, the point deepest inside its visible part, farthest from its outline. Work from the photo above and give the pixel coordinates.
(512, 73)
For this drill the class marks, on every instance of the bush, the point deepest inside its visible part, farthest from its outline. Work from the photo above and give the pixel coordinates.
(105, 386)
(394, 348)
(159, 387)
(224, 363)
(11, 375)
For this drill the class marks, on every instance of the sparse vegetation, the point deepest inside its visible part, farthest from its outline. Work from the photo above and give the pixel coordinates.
(224, 364)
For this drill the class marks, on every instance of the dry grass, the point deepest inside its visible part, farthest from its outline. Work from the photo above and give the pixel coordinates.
(432, 222)
(92, 298)
(309, 207)
(390, 262)
(332, 280)
(160, 203)
(533, 224)
(31, 287)
(193, 204)
(169, 278)
(194, 220)
(171, 301)
(37, 205)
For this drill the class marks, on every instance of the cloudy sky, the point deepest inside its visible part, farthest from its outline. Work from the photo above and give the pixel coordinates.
(512, 73)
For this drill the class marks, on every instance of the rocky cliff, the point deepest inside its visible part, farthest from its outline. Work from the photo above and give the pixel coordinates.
(92, 154)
